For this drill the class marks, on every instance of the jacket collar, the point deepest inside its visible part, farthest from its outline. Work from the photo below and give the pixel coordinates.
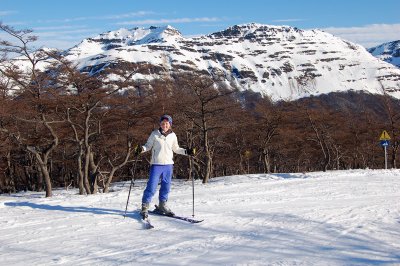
(165, 133)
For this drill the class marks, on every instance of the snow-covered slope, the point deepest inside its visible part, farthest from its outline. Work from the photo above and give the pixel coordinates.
(282, 62)
(120, 45)
(332, 218)
(389, 52)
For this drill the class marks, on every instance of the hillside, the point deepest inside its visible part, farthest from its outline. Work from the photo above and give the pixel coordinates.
(388, 52)
(281, 62)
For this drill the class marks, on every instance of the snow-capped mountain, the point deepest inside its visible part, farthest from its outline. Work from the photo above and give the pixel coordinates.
(281, 62)
(119, 44)
(389, 52)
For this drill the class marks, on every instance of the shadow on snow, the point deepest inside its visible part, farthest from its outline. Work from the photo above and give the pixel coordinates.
(78, 209)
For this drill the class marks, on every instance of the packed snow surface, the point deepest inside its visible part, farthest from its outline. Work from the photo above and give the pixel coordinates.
(322, 218)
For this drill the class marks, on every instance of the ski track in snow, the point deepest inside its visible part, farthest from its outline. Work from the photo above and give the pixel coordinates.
(332, 218)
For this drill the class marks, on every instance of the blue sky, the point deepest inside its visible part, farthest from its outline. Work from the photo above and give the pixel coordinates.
(62, 24)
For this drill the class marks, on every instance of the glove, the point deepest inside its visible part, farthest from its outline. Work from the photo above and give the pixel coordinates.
(138, 150)
(191, 151)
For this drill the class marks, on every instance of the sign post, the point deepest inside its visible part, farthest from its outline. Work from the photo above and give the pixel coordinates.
(384, 140)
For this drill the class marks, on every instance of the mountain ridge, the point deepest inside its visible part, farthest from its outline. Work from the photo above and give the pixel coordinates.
(280, 62)
(388, 52)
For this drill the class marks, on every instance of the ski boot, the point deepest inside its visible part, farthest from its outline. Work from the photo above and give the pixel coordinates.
(163, 209)
(145, 210)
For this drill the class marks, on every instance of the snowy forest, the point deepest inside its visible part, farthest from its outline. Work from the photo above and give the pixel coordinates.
(63, 127)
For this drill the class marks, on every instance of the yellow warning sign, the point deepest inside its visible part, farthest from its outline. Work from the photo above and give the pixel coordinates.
(384, 136)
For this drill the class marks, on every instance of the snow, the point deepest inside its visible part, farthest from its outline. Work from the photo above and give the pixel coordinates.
(388, 52)
(319, 62)
(337, 64)
(322, 218)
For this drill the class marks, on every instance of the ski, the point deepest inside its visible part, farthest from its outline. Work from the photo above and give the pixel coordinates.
(182, 218)
(147, 223)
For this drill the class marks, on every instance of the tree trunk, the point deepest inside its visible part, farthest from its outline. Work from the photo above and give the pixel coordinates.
(116, 168)
(10, 173)
(47, 181)
(208, 170)
(42, 163)
(93, 174)
(81, 176)
(208, 155)
(394, 154)
(266, 161)
(109, 179)
(86, 171)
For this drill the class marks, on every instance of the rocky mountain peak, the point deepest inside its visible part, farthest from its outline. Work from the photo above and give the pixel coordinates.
(121, 39)
(138, 35)
(281, 62)
(389, 52)
(252, 30)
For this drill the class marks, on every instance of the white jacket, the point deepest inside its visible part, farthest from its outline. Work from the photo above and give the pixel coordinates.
(162, 147)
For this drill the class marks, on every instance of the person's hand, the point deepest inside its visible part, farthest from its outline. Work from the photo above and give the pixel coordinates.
(138, 150)
(191, 151)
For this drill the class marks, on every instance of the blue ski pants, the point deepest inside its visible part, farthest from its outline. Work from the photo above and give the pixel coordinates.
(157, 173)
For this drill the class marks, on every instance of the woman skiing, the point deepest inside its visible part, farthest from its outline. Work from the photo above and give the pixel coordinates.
(163, 143)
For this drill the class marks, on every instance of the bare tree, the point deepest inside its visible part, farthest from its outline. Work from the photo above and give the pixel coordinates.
(203, 105)
(393, 119)
(321, 139)
(34, 88)
(268, 120)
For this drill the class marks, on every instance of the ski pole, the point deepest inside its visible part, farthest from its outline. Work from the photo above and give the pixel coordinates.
(193, 194)
(192, 188)
(132, 183)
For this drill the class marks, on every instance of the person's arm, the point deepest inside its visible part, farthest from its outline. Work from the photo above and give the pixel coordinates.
(176, 148)
(149, 143)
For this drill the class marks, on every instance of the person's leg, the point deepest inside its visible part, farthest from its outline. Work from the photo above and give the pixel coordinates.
(152, 183)
(164, 190)
(166, 178)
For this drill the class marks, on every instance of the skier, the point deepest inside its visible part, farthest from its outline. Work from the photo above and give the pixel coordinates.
(162, 142)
